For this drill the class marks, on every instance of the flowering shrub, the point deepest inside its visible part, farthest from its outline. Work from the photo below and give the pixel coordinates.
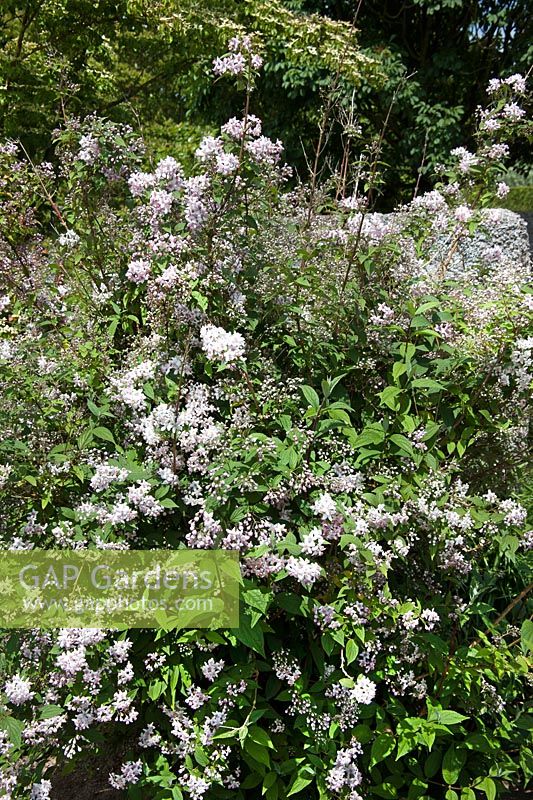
(206, 361)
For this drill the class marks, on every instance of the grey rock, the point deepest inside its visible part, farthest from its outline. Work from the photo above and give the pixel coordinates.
(498, 248)
(527, 216)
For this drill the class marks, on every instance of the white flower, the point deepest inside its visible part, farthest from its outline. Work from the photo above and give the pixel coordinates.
(463, 214)
(69, 239)
(196, 698)
(211, 669)
(161, 202)
(324, 507)
(118, 652)
(89, 149)
(467, 160)
(41, 790)
(226, 163)
(364, 690)
(219, 345)
(6, 351)
(502, 189)
(105, 475)
(18, 690)
(130, 772)
(210, 147)
(517, 82)
(313, 543)
(229, 65)
(149, 736)
(139, 182)
(513, 112)
(305, 572)
(264, 151)
(430, 618)
(138, 271)
(197, 787)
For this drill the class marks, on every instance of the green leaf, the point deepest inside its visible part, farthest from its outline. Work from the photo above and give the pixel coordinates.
(202, 301)
(257, 599)
(381, 747)
(341, 414)
(273, 792)
(268, 781)
(427, 383)
(417, 789)
(526, 636)
(488, 786)
(149, 391)
(47, 712)
(352, 651)
(249, 635)
(389, 397)
(398, 368)
(371, 434)
(402, 442)
(257, 752)
(433, 762)
(405, 745)
(452, 763)
(14, 728)
(156, 689)
(93, 408)
(103, 433)
(419, 321)
(113, 325)
(167, 502)
(303, 778)
(201, 756)
(311, 397)
(445, 717)
(260, 736)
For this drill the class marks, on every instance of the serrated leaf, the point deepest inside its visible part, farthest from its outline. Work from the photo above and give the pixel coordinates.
(257, 599)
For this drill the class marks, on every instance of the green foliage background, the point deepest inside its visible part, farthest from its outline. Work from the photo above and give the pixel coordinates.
(148, 62)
